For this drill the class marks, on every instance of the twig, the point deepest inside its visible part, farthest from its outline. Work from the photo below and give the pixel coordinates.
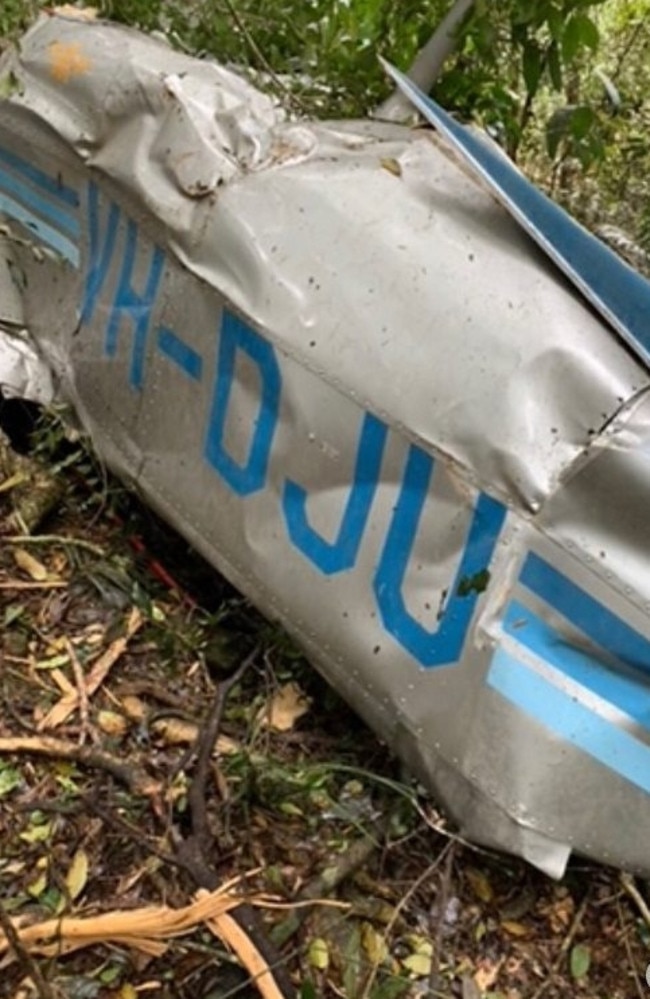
(46, 584)
(82, 693)
(100, 670)
(54, 539)
(45, 745)
(154, 690)
(205, 745)
(135, 835)
(28, 963)
(628, 950)
(192, 853)
(403, 902)
(441, 830)
(355, 856)
(261, 58)
(566, 944)
(17, 479)
(628, 884)
(631, 42)
(441, 907)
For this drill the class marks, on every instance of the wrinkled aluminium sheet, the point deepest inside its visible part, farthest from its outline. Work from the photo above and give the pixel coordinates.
(330, 359)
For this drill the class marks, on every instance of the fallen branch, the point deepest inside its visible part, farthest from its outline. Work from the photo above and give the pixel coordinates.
(227, 928)
(205, 747)
(147, 930)
(44, 745)
(24, 958)
(143, 929)
(193, 853)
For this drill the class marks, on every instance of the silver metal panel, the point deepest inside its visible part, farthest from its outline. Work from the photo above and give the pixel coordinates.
(333, 362)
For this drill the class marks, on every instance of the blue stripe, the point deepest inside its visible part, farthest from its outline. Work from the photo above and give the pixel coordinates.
(40, 179)
(617, 291)
(44, 232)
(591, 617)
(180, 353)
(629, 696)
(563, 716)
(29, 199)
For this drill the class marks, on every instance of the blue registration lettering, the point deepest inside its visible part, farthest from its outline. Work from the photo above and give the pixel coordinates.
(251, 476)
(101, 251)
(445, 643)
(137, 307)
(340, 554)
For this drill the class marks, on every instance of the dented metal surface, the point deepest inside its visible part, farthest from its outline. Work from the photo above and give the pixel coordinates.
(339, 367)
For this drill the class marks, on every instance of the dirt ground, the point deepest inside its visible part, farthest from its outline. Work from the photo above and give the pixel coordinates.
(187, 810)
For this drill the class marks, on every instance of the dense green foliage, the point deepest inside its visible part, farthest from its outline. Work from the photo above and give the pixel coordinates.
(562, 84)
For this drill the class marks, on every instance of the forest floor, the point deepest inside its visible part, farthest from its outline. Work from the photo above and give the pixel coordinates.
(159, 739)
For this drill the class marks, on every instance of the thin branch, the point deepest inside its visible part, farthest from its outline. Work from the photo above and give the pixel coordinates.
(261, 58)
(642, 994)
(192, 852)
(44, 745)
(206, 743)
(82, 693)
(628, 883)
(566, 944)
(403, 902)
(54, 539)
(441, 907)
(638, 28)
(30, 966)
(325, 883)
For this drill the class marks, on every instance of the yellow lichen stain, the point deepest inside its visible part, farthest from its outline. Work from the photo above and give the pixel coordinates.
(79, 13)
(67, 60)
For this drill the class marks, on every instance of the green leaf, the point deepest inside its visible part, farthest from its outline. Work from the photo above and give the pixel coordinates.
(10, 779)
(532, 65)
(110, 974)
(583, 120)
(579, 32)
(557, 128)
(10, 85)
(352, 962)
(554, 65)
(589, 34)
(555, 23)
(38, 886)
(308, 990)
(579, 961)
(525, 12)
(391, 988)
(13, 611)
(571, 40)
(318, 954)
(290, 809)
(36, 833)
(418, 964)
